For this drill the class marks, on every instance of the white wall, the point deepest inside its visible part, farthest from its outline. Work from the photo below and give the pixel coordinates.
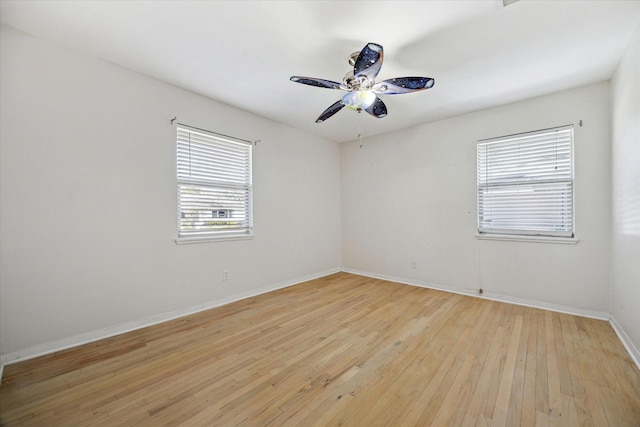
(626, 195)
(88, 201)
(410, 196)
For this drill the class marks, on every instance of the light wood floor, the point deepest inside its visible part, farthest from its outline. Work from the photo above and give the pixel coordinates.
(341, 350)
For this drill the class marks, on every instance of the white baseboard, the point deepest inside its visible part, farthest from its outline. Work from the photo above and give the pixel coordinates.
(594, 314)
(626, 341)
(96, 335)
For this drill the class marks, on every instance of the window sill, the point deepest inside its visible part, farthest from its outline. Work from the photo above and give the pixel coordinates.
(190, 240)
(531, 239)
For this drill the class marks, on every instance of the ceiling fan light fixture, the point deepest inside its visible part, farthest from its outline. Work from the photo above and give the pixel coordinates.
(359, 100)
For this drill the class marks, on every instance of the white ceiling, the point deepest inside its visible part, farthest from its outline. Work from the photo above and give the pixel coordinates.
(242, 53)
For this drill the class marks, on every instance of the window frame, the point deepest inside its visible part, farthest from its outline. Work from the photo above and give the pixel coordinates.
(227, 156)
(525, 233)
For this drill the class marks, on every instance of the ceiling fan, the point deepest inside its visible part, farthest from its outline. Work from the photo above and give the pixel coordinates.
(360, 84)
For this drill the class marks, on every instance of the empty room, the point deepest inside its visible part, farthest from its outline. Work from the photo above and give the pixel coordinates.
(314, 213)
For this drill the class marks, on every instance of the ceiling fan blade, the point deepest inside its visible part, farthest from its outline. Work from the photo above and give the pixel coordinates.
(334, 108)
(403, 85)
(377, 109)
(312, 81)
(369, 61)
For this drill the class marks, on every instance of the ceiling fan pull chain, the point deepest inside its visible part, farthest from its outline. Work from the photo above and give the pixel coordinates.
(360, 136)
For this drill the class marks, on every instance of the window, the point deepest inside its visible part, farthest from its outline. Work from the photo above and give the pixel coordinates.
(525, 184)
(214, 186)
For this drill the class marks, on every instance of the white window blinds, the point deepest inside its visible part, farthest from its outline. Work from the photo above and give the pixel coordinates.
(214, 185)
(525, 184)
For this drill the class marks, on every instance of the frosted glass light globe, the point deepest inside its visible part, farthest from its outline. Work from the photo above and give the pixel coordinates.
(359, 99)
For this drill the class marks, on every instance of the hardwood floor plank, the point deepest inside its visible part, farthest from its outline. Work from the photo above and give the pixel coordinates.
(514, 409)
(573, 347)
(502, 403)
(553, 374)
(339, 350)
(485, 368)
(542, 389)
(452, 401)
(600, 405)
(528, 413)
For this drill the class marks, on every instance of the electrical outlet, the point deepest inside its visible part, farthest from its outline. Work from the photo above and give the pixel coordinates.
(225, 275)
(413, 265)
